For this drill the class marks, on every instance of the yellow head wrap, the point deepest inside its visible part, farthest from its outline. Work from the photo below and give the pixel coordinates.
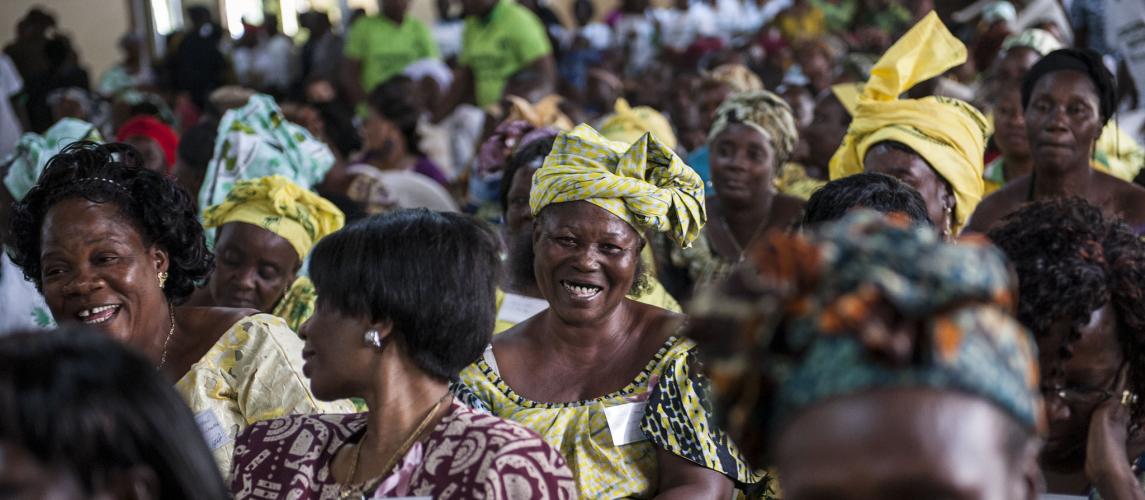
(848, 95)
(281, 207)
(627, 124)
(948, 133)
(544, 113)
(763, 111)
(736, 76)
(645, 183)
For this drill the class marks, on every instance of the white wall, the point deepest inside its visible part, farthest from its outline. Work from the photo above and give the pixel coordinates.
(94, 27)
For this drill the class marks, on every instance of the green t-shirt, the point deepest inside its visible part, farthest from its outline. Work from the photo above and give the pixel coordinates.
(507, 40)
(386, 48)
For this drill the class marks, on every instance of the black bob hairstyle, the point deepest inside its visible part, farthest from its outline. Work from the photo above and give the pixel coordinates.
(160, 209)
(80, 401)
(433, 275)
(875, 191)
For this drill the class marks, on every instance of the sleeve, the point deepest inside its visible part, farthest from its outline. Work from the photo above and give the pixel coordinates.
(355, 47)
(679, 419)
(297, 305)
(529, 39)
(528, 468)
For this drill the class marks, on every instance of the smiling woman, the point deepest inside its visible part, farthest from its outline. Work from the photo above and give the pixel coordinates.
(116, 246)
(601, 377)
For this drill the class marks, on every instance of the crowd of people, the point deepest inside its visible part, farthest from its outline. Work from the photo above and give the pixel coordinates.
(803, 249)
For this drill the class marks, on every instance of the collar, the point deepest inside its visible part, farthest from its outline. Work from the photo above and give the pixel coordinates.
(495, 12)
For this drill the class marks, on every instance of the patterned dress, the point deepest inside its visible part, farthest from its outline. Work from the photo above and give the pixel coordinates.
(467, 455)
(253, 373)
(676, 419)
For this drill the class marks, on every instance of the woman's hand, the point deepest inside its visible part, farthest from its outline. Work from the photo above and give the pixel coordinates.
(1106, 461)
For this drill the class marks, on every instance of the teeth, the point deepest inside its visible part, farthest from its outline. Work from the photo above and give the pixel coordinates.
(581, 291)
(96, 310)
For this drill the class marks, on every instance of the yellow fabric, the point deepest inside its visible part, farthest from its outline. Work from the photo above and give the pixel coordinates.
(544, 113)
(1119, 153)
(763, 112)
(644, 184)
(948, 133)
(281, 207)
(580, 430)
(737, 77)
(297, 305)
(792, 180)
(655, 295)
(848, 95)
(252, 373)
(626, 124)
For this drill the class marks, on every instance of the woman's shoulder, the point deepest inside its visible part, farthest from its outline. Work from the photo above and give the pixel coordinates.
(501, 438)
(290, 454)
(998, 204)
(1130, 199)
(320, 431)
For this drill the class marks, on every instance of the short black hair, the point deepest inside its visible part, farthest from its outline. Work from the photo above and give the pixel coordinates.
(433, 275)
(79, 400)
(394, 101)
(1071, 260)
(522, 157)
(871, 190)
(160, 209)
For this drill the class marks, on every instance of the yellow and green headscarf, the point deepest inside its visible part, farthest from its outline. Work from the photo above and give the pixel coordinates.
(281, 207)
(626, 124)
(948, 133)
(763, 111)
(644, 183)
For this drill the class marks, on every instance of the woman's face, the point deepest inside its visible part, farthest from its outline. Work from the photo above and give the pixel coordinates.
(336, 357)
(1017, 61)
(827, 129)
(711, 96)
(1010, 124)
(377, 133)
(97, 270)
(586, 260)
(1091, 368)
(743, 164)
(916, 173)
(153, 157)
(903, 443)
(1063, 120)
(253, 269)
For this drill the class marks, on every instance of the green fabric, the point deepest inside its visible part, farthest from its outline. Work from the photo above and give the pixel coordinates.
(256, 141)
(838, 15)
(33, 151)
(385, 49)
(495, 48)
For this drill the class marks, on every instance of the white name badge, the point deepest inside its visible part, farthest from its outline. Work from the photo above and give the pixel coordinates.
(517, 308)
(213, 432)
(624, 423)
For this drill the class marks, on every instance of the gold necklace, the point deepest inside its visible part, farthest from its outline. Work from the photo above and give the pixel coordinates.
(357, 490)
(167, 341)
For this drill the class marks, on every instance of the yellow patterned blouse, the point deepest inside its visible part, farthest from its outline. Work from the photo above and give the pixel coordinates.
(253, 373)
(587, 432)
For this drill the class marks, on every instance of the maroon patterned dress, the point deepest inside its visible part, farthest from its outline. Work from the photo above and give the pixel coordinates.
(467, 455)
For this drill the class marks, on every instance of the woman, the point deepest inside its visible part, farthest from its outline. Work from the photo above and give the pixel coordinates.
(1081, 280)
(867, 358)
(83, 417)
(266, 228)
(154, 139)
(601, 377)
(934, 144)
(113, 245)
(384, 333)
(753, 135)
(1068, 97)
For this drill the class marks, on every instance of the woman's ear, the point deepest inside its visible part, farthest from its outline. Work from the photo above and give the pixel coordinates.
(385, 329)
(160, 257)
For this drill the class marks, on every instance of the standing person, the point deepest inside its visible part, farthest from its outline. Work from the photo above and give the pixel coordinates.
(272, 58)
(132, 73)
(321, 54)
(380, 47)
(118, 247)
(11, 85)
(1081, 276)
(934, 144)
(1068, 96)
(595, 356)
(197, 65)
(869, 359)
(81, 416)
(501, 39)
(406, 302)
(753, 135)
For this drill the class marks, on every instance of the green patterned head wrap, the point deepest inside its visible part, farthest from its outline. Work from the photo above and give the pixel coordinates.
(867, 303)
(256, 141)
(644, 184)
(764, 112)
(32, 153)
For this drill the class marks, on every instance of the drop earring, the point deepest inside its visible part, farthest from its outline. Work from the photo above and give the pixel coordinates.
(948, 231)
(162, 279)
(373, 339)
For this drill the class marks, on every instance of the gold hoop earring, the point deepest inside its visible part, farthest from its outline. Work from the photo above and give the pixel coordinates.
(162, 280)
(948, 231)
